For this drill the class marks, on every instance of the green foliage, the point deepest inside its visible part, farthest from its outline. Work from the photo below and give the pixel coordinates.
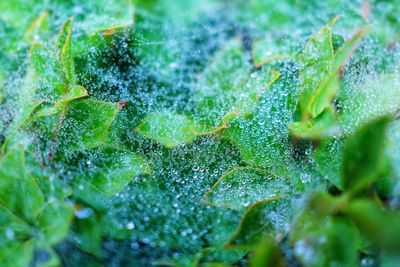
(266, 254)
(199, 133)
(319, 71)
(316, 128)
(169, 129)
(361, 167)
(242, 187)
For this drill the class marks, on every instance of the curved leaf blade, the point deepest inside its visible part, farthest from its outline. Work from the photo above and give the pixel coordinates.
(169, 129)
(240, 187)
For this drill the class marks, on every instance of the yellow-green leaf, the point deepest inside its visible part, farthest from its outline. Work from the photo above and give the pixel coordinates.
(169, 129)
(241, 187)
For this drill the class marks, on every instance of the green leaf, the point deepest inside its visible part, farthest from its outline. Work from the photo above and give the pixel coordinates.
(248, 96)
(267, 254)
(222, 87)
(27, 103)
(378, 95)
(17, 254)
(89, 194)
(75, 92)
(240, 187)
(168, 128)
(46, 70)
(13, 228)
(222, 256)
(255, 224)
(86, 124)
(23, 117)
(316, 128)
(320, 206)
(269, 49)
(100, 39)
(315, 61)
(55, 220)
(375, 223)
(64, 34)
(216, 110)
(64, 46)
(61, 105)
(323, 204)
(152, 47)
(226, 71)
(39, 57)
(18, 191)
(113, 228)
(342, 245)
(180, 12)
(264, 136)
(38, 26)
(362, 166)
(328, 157)
(87, 234)
(326, 90)
(114, 169)
(323, 241)
(320, 67)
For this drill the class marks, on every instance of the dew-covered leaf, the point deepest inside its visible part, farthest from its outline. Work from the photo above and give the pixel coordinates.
(39, 57)
(328, 157)
(264, 137)
(218, 88)
(362, 166)
(184, 70)
(327, 88)
(38, 26)
(318, 127)
(75, 92)
(255, 224)
(112, 170)
(215, 111)
(89, 194)
(320, 66)
(86, 123)
(64, 46)
(242, 187)
(153, 46)
(367, 100)
(269, 49)
(168, 128)
(18, 191)
(55, 220)
(226, 72)
(22, 117)
(98, 40)
(315, 61)
(179, 261)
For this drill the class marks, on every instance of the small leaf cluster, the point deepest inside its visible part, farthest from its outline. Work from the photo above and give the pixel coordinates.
(171, 133)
